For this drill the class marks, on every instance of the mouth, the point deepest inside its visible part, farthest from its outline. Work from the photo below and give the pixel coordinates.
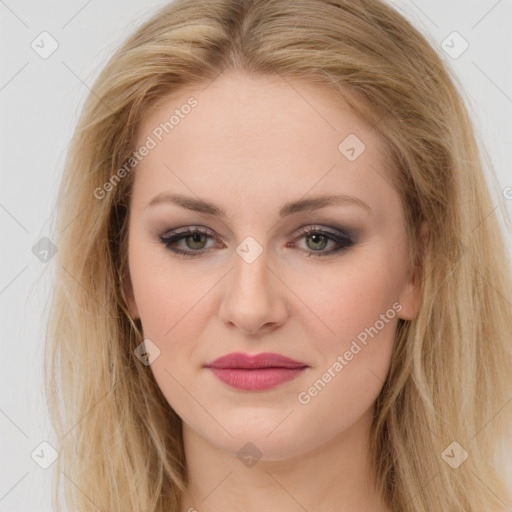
(255, 372)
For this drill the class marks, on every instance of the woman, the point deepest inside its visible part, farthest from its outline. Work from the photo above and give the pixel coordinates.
(284, 286)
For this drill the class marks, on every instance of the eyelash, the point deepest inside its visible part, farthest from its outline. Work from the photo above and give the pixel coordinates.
(343, 240)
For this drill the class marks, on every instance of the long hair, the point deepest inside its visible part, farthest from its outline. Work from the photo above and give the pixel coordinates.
(447, 394)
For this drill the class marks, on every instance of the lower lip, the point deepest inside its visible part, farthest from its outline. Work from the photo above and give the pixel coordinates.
(257, 379)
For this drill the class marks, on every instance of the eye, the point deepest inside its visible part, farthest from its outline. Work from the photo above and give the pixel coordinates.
(195, 240)
(317, 240)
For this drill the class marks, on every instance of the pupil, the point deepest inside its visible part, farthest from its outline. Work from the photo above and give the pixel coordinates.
(317, 238)
(196, 238)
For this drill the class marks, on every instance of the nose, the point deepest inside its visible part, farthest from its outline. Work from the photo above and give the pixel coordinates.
(253, 299)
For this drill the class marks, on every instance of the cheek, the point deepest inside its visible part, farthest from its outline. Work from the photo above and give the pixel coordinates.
(340, 303)
(358, 307)
(166, 292)
(361, 307)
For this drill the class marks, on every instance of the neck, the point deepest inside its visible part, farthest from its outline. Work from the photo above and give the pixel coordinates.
(334, 476)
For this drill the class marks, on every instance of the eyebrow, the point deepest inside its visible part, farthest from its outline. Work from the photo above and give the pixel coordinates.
(301, 205)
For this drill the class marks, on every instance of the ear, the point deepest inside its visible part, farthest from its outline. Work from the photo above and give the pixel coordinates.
(411, 294)
(130, 298)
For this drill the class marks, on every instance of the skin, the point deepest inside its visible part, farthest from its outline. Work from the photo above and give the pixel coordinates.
(251, 145)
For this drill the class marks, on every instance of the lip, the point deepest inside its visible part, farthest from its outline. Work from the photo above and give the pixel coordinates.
(255, 372)
(239, 360)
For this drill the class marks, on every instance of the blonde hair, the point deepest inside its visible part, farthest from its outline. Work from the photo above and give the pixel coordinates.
(450, 378)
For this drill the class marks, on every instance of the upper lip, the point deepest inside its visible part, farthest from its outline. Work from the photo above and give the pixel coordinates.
(263, 360)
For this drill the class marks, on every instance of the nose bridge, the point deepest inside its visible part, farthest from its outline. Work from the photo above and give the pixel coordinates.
(250, 276)
(252, 296)
(251, 269)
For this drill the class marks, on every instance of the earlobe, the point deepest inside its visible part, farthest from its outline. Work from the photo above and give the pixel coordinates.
(411, 295)
(410, 301)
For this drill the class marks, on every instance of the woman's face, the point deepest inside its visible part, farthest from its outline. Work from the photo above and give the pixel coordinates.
(250, 162)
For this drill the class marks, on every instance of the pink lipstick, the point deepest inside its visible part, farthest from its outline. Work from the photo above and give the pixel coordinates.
(255, 372)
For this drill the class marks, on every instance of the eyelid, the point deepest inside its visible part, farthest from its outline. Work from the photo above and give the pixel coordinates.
(175, 235)
(187, 229)
(340, 236)
(336, 232)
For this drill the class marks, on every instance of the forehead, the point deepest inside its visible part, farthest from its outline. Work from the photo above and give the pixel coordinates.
(257, 134)
(235, 105)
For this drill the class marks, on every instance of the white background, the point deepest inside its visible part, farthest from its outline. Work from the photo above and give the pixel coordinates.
(39, 103)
